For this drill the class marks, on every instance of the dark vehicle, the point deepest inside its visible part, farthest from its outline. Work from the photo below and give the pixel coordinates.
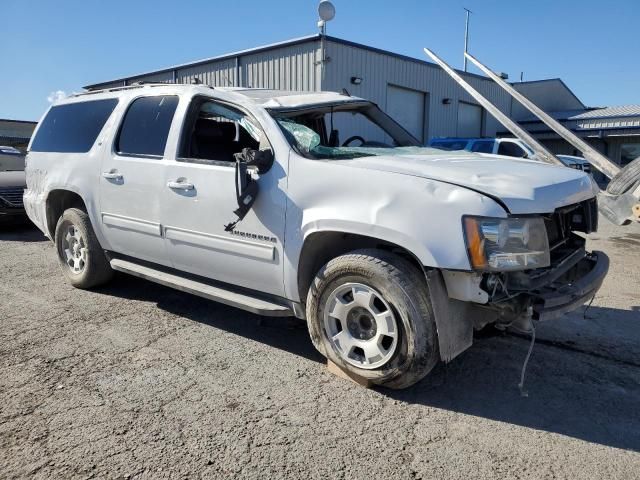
(12, 185)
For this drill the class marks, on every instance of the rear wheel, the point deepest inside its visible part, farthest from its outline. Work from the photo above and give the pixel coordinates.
(369, 312)
(81, 257)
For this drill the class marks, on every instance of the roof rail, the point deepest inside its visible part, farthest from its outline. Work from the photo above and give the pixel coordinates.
(138, 85)
(103, 90)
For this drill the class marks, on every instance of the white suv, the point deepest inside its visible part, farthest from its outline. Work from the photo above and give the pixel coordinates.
(316, 205)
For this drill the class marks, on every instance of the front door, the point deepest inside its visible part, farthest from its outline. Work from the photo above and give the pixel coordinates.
(200, 197)
(133, 179)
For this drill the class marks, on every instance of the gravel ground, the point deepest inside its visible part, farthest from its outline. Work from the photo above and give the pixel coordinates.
(137, 380)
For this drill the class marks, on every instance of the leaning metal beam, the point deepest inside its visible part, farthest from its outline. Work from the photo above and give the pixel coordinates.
(517, 130)
(594, 157)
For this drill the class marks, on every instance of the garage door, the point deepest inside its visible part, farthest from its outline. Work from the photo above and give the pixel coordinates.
(469, 120)
(406, 107)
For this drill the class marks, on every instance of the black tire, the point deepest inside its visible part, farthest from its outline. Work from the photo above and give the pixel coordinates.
(94, 266)
(404, 288)
(624, 181)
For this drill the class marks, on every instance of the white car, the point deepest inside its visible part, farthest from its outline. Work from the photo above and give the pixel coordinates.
(316, 205)
(509, 147)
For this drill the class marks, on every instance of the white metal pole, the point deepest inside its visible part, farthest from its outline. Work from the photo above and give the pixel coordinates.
(544, 154)
(594, 157)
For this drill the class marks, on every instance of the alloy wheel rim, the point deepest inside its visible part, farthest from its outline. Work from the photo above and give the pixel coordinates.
(74, 249)
(361, 326)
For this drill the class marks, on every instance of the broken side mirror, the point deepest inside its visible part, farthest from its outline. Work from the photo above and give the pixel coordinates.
(247, 162)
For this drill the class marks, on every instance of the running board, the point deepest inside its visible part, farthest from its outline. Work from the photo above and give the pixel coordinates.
(234, 299)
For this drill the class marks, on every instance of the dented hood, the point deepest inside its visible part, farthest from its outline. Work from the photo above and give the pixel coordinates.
(523, 186)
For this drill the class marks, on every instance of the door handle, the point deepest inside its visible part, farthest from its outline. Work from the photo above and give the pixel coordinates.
(112, 175)
(178, 185)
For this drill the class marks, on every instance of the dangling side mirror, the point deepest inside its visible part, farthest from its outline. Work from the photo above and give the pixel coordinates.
(247, 189)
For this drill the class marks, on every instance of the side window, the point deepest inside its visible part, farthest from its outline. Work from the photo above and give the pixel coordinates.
(482, 147)
(146, 126)
(73, 127)
(511, 149)
(214, 132)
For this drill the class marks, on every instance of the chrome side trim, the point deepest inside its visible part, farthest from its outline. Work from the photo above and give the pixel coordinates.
(219, 243)
(134, 224)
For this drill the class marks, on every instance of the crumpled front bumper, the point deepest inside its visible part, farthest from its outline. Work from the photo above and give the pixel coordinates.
(554, 301)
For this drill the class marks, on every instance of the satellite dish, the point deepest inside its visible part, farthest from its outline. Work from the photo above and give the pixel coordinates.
(326, 10)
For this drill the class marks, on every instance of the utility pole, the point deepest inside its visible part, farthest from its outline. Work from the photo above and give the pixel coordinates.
(466, 37)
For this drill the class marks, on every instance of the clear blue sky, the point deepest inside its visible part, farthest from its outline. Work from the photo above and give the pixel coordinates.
(47, 45)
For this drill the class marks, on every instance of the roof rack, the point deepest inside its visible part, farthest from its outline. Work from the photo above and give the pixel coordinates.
(135, 85)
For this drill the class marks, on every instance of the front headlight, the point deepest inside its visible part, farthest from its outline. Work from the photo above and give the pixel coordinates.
(506, 244)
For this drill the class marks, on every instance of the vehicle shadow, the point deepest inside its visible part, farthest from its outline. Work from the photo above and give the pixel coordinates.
(288, 334)
(24, 231)
(595, 398)
(572, 393)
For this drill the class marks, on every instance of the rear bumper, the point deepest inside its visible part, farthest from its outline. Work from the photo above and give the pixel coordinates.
(553, 302)
(35, 208)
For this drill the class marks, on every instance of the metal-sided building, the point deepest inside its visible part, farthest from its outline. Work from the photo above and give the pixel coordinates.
(614, 131)
(16, 133)
(415, 92)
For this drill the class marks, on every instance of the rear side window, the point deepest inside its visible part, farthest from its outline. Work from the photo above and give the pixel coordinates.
(482, 147)
(146, 126)
(74, 127)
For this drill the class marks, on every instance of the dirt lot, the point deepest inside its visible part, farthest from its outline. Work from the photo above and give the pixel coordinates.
(137, 380)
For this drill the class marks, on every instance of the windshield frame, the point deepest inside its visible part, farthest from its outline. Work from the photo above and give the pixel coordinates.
(369, 110)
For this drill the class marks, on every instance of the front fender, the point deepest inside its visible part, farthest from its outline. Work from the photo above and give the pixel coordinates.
(420, 215)
(381, 232)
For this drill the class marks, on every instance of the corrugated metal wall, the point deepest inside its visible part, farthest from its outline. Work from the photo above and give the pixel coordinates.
(218, 74)
(287, 68)
(378, 70)
(292, 67)
(297, 67)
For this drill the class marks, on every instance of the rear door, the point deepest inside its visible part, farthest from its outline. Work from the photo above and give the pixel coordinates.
(133, 177)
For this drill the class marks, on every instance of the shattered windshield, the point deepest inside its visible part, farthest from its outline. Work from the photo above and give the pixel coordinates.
(344, 131)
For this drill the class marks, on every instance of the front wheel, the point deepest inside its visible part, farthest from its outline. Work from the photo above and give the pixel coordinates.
(81, 257)
(369, 312)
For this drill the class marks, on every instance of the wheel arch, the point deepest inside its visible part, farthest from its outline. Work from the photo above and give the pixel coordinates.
(323, 245)
(58, 200)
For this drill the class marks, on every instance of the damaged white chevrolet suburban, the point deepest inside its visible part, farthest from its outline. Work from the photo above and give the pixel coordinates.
(316, 205)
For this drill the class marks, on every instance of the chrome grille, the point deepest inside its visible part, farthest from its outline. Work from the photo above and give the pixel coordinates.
(12, 196)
